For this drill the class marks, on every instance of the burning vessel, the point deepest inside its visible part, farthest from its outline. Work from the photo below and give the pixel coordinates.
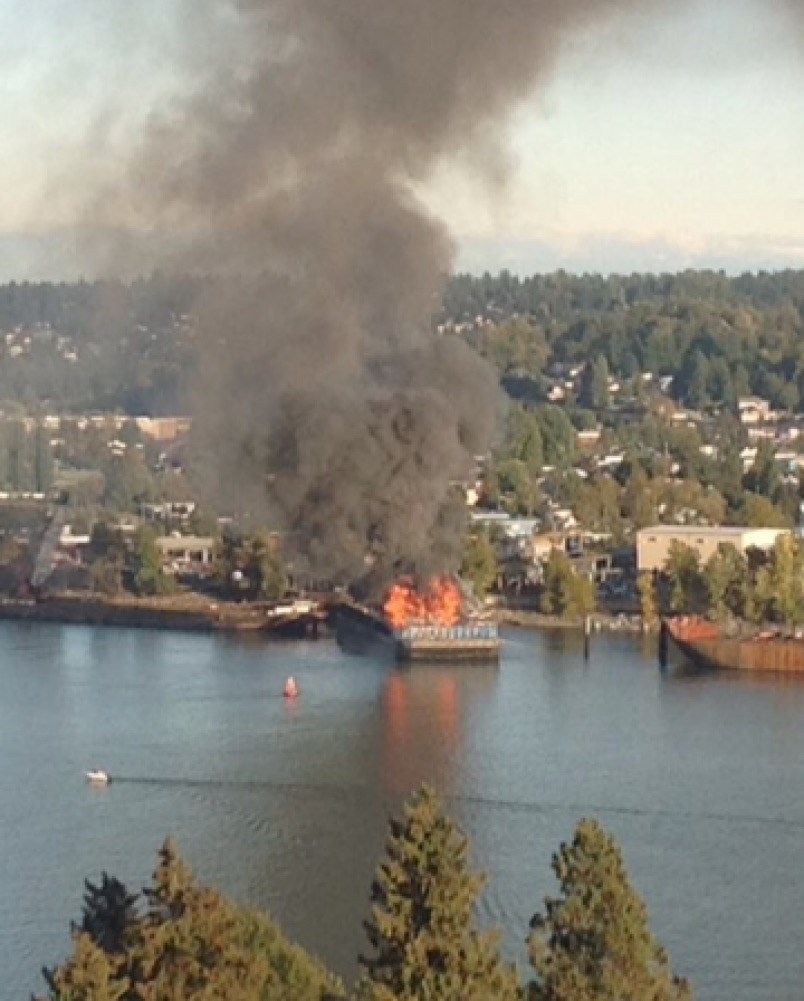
(420, 625)
(707, 645)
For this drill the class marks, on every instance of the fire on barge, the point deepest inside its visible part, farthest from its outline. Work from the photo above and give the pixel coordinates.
(429, 625)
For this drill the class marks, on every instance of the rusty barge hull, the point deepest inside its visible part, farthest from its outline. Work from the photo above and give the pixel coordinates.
(769, 654)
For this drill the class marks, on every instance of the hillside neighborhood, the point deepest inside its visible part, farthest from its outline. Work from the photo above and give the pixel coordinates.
(634, 432)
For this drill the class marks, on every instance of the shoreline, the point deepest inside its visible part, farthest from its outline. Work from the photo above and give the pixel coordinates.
(191, 613)
(196, 613)
(598, 621)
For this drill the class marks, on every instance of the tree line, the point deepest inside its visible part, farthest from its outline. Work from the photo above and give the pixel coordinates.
(26, 458)
(719, 337)
(756, 587)
(182, 941)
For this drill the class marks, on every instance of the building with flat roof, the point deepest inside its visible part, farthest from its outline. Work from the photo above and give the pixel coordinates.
(184, 553)
(653, 544)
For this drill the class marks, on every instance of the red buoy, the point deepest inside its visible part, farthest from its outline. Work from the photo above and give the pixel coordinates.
(291, 690)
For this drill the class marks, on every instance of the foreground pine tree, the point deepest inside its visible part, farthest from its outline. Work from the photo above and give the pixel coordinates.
(91, 975)
(425, 944)
(110, 913)
(191, 944)
(594, 942)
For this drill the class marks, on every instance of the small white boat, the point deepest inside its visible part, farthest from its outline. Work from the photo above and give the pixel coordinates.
(98, 777)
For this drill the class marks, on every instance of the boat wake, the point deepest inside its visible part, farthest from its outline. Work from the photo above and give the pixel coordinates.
(651, 813)
(510, 805)
(179, 782)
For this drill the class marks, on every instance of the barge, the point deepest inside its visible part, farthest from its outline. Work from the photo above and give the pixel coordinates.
(477, 641)
(707, 645)
(192, 613)
(361, 630)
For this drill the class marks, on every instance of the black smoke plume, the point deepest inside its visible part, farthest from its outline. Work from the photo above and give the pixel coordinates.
(325, 404)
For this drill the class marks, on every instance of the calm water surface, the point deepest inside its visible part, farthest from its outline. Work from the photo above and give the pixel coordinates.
(284, 806)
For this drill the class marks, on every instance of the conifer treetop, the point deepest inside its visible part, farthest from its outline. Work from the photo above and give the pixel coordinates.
(593, 942)
(425, 943)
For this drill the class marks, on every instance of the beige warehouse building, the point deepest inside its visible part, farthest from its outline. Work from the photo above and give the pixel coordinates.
(653, 544)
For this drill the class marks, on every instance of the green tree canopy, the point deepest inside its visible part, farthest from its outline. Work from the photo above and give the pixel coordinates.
(648, 599)
(593, 942)
(779, 588)
(558, 435)
(523, 438)
(757, 511)
(480, 565)
(594, 388)
(727, 580)
(145, 561)
(424, 941)
(190, 944)
(683, 571)
(764, 477)
(566, 592)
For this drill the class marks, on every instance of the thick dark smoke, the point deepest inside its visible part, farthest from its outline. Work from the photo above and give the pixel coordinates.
(325, 404)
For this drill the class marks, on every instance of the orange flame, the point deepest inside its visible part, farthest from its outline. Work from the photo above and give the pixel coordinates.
(440, 605)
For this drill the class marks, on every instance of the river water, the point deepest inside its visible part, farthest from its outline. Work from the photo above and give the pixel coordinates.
(701, 778)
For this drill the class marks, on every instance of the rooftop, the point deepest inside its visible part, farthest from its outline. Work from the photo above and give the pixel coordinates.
(720, 531)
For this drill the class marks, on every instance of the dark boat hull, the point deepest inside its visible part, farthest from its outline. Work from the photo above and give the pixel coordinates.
(362, 633)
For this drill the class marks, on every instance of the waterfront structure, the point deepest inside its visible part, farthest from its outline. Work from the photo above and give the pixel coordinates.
(361, 630)
(654, 543)
(163, 428)
(709, 645)
(181, 553)
(467, 641)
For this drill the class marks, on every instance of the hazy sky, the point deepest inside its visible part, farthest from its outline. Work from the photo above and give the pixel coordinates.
(659, 143)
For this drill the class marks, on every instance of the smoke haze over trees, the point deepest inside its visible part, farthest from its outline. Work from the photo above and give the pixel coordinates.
(139, 357)
(294, 160)
(291, 161)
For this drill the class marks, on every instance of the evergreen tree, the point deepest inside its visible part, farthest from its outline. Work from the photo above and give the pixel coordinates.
(109, 915)
(639, 499)
(683, 570)
(520, 488)
(90, 975)
(648, 600)
(480, 565)
(145, 561)
(764, 477)
(594, 943)
(523, 438)
(759, 512)
(17, 457)
(191, 945)
(727, 581)
(566, 592)
(43, 461)
(558, 435)
(425, 944)
(693, 381)
(594, 388)
(780, 583)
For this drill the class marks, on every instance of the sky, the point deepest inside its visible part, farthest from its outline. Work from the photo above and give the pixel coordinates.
(659, 143)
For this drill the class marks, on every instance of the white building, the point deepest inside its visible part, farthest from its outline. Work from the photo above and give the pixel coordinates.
(654, 543)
